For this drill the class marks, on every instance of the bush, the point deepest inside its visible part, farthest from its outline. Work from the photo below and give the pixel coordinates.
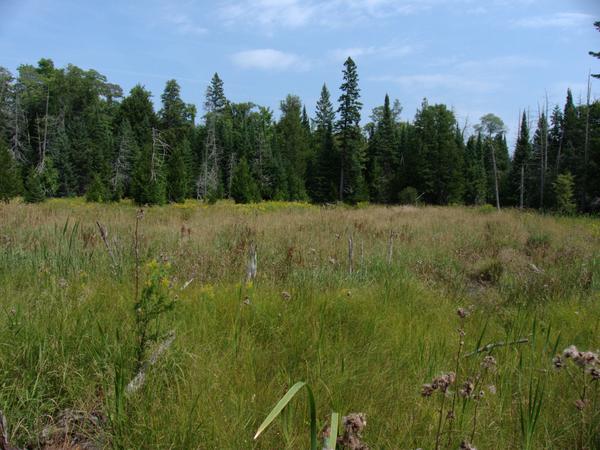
(408, 196)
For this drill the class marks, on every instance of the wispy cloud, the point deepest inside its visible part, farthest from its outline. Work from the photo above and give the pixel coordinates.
(388, 51)
(300, 13)
(557, 20)
(269, 59)
(184, 24)
(440, 80)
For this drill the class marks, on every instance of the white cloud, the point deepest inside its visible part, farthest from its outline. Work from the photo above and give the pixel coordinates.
(557, 20)
(299, 13)
(269, 59)
(389, 51)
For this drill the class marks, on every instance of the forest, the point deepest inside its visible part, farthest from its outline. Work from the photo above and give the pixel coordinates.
(70, 132)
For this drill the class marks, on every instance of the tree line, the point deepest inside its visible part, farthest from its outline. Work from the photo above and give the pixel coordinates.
(69, 132)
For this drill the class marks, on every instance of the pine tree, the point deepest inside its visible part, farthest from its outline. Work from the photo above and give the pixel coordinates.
(148, 183)
(519, 176)
(34, 191)
(352, 186)
(215, 95)
(96, 191)
(475, 176)
(294, 146)
(10, 179)
(177, 174)
(243, 186)
(326, 182)
(564, 193)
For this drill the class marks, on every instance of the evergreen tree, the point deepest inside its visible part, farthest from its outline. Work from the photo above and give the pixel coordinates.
(34, 191)
(177, 173)
(10, 179)
(475, 175)
(519, 176)
(352, 186)
(148, 183)
(325, 182)
(215, 95)
(294, 146)
(96, 191)
(243, 186)
(564, 193)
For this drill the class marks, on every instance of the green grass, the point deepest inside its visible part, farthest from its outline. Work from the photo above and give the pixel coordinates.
(364, 342)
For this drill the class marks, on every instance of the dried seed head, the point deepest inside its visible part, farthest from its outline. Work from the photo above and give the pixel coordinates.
(462, 313)
(595, 373)
(467, 389)
(354, 423)
(427, 390)
(286, 295)
(492, 389)
(489, 362)
(558, 362)
(464, 445)
(444, 381)
(571, 352)
(580, 404)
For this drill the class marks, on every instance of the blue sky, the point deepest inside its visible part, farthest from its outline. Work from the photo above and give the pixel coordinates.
(496, 56)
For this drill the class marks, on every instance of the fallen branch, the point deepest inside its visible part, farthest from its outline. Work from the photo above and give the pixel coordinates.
(488, 347)
(104, 237)
(138, 381)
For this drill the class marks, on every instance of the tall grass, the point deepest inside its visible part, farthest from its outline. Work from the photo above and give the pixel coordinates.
(363, 340)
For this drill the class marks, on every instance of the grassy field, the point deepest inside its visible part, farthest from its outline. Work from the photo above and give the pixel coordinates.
(365, 340)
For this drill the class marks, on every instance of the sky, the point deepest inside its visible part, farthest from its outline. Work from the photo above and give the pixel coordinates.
(476, 56)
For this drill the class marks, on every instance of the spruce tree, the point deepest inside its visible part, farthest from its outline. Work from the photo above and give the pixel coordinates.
(34, 191)
(564, 193)
(148, 183)
(352, 186)
(177, 174)
(243, 186)
(10, 179)
(96, 191)
(519, 176)
(326, 166)
(215, 95)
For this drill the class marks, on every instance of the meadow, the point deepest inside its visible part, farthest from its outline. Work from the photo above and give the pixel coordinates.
(366, 304)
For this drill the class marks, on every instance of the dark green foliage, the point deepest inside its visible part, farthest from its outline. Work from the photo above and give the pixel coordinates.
(520, 171)
(34, 191)
(177, 174)
(352, 185)
(243, 186)
(148, 183)
(10, 178)
(475, 175)
(77, 135)
(564, 193)
(96, 191)
(408, 196)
